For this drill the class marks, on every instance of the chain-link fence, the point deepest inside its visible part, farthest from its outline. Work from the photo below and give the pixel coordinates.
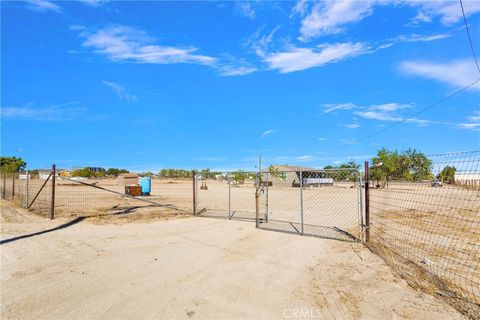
(429, 231)
(229, 195)
(52, 195)
(324, 203)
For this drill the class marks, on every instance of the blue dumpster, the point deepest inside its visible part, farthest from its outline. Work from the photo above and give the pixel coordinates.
(146, 184)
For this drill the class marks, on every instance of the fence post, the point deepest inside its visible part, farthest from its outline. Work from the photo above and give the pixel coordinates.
(52, 205)
(367, 203)
(229, 196)
(194, 194)
(266, 200)
(301, 199)
(13, 185)
(4, 184)
(360, 182)
(26, 190)
(257, 195)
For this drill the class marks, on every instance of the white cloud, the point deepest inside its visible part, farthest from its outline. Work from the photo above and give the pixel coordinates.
(329, 17)
(472, 123)
(304, 158)
(62, 112)
(268, 132)
(322, 139)
(233, 66)
(125, 44)
(300, 8)
(43, 5)
(330, 107)
(120, 91)
(245, 9)
(449, 12)
(260, 43)
(458, 73)
(348, 141)
(352, 126)
(93, 3)
(296, 59)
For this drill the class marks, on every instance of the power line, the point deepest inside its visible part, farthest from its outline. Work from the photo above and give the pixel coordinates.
(411, 116)
(469, 37)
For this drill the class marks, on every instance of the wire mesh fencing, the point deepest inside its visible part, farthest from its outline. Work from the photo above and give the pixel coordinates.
(322, 203)
(229, 195)
(429, 231)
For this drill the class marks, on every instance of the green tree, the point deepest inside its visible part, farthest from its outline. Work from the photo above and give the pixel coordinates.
(12, 164)
(239, 176)
(447, 175)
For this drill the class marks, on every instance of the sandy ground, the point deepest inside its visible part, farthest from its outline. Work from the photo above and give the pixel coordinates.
(194, 268)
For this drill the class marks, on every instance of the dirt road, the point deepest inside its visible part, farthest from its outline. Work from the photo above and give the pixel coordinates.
(194, 268)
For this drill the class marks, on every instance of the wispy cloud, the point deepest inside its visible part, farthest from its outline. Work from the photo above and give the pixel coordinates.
(458, 73)
(125, 44)
(245, 9)
(329, 17)
(447, 11)
(63, 112)
(472, 123)
(268, 132)
(120, 91)
(259, 42)
(296, 59)
(352, 125)
(322, 139)
(43, 5)
(330, 107)
(233, 66)
(348, 141)
(304, 158)
(93, 3)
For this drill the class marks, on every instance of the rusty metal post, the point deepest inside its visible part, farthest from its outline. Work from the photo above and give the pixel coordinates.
(194, 181)
(52, 207)
(367, 203)
(13, 185)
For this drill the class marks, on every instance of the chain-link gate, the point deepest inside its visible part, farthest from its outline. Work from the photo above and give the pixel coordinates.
(228, 195)
(324, 203)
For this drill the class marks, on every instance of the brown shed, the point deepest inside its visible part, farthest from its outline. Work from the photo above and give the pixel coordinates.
(128, 179)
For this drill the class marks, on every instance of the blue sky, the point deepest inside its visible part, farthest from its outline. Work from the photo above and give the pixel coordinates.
(149, 85)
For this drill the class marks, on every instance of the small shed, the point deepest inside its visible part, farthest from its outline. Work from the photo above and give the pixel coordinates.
(128, 179)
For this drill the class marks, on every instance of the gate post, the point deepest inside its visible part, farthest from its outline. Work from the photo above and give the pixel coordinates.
(367, 203)
(301, 199)
(266, 200)
(257, 210)
(52, 207)
(26, 190)
(194, 194)
(229, 196)
(360, 203)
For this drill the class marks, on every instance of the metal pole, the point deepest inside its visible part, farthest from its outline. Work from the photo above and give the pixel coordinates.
(13, 184)
(194, 195)
(367, 203)
(257, 210)
(52, 208)
(266, 200)
(229, 196)
(301, 199)
(26, 191)
(360, 182)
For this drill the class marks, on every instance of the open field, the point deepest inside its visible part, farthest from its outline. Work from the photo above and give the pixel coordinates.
(193, 268)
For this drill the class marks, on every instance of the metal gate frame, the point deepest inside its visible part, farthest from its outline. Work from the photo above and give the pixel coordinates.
(263, 215)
